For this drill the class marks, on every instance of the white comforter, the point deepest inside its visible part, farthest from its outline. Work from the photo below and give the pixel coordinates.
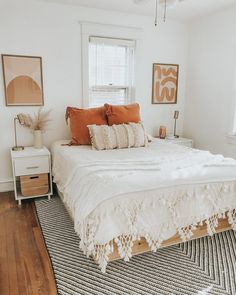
(147, 192)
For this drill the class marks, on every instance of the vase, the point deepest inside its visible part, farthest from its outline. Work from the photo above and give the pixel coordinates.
(38, 139)
(162, 132)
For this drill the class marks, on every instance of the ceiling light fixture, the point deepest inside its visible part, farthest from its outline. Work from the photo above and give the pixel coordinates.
(164, 13)
(164, 17)
(164, 3)
(156, 12)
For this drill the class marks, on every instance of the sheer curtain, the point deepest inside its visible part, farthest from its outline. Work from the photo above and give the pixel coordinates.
(111, 71)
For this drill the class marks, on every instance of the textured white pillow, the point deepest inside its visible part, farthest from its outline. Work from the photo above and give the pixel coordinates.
(104, 137)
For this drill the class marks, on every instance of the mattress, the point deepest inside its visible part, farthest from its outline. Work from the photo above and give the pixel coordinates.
(152, 192)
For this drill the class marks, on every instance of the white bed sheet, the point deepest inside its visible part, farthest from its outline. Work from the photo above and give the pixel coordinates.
(149, 192)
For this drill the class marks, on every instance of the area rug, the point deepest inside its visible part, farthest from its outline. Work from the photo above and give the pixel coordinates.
(200, 267)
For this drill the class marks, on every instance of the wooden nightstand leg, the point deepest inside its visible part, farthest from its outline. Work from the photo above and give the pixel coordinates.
(19, 202)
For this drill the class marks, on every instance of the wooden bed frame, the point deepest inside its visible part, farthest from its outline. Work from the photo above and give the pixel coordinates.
(141, 246)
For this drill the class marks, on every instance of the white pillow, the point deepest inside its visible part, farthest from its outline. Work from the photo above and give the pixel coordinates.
(104, 137)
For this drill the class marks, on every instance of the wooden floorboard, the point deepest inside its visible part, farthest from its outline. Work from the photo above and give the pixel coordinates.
(25, 267)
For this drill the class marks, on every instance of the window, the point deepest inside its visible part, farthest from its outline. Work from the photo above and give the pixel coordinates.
(111, 71)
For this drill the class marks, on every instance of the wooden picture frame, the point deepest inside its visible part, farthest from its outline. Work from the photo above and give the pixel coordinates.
(23, 80)
(165, 83)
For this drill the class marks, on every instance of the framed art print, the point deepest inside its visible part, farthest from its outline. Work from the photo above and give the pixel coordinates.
(23, 82)
(165, 83)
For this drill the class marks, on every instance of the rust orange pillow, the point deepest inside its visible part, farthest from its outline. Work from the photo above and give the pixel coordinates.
(80, 119)
(123, 114)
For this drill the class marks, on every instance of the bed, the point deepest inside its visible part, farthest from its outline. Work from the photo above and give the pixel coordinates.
(128, 201)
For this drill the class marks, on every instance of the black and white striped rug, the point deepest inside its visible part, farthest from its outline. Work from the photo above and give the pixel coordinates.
(200, 267)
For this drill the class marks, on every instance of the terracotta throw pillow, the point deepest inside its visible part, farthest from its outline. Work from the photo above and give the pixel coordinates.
(80, 119)
(123, 114)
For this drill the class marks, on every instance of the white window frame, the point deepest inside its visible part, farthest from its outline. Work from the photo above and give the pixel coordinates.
(106, 31)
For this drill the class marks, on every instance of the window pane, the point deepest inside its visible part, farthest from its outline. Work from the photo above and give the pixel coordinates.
(108, 65)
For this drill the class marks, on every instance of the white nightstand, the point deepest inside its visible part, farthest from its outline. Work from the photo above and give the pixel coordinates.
(181, 141)
(31, 173)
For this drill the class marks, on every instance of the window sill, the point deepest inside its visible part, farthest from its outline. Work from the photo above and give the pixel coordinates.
(231, 139)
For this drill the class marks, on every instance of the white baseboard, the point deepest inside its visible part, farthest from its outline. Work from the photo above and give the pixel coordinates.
(6, 185)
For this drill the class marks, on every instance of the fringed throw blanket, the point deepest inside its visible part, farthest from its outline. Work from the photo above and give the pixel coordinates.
(151, 192)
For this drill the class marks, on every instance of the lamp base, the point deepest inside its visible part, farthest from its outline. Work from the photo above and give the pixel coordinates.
(18, 148)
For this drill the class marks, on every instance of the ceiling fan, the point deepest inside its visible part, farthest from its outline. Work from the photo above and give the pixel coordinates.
(165, 3)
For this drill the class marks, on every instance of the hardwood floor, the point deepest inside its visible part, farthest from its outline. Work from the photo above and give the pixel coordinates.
(25, 267)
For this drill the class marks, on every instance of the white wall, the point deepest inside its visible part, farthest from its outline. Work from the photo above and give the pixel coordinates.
(211, 83)
(53, 32)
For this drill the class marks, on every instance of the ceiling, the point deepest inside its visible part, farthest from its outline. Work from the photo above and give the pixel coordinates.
(185, 10)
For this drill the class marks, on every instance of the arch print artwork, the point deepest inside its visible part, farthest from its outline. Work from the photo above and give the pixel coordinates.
(23, 81)
(165, 83)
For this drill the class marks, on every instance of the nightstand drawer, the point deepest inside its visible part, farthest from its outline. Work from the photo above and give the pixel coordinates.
(31, 165)
(33, 185)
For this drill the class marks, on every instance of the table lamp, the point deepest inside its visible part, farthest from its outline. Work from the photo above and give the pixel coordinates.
(21, 121)
(176, 116)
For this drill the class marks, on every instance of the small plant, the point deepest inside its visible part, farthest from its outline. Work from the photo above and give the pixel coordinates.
(38, 121)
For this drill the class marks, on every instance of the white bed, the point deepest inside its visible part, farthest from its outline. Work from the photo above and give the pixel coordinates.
(150, 192)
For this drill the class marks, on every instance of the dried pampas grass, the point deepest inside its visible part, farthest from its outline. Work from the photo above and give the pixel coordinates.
(38, 121)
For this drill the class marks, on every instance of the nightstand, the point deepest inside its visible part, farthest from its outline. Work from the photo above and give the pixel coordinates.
(181, 141)
(31, 173)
